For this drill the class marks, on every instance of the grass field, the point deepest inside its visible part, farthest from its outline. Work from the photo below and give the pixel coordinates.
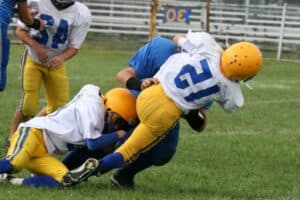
(251, 154)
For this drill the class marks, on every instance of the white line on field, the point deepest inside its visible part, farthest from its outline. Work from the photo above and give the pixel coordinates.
(277, 101)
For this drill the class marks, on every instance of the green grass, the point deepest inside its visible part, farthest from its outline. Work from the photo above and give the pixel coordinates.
(251, 154)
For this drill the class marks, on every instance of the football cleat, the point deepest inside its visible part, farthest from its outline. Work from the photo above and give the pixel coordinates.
(82, 173)
(4, 177)
(9, 178)
(122, 180)
(7, 143)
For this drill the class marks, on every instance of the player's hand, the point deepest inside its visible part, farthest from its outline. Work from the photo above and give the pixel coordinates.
(42, 26)
(42, 54)
(56, 62)
(121, 133)
(148, 82)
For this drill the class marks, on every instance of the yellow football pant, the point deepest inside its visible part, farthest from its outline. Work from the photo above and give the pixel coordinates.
(28, 151)
(56, 85)
(157, 114)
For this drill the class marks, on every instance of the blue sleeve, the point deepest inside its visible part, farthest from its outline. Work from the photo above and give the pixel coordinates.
(149, 58)
(102, 142)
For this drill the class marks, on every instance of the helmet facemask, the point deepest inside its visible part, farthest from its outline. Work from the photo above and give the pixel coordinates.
(114, 122)
(120, 107)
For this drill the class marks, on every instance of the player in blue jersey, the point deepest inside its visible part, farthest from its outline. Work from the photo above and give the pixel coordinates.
(142, 65)
(6, 13)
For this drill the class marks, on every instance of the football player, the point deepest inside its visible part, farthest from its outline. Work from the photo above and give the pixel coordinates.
(6, 13)
(67, 23)
(88, 120)
(187, 81)
(142, 65)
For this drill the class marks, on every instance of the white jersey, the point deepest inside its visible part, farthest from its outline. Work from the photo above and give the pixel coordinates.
(82, 118)
(65, 28)
(192, 79)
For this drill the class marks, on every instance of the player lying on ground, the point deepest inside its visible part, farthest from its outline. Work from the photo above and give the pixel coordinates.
(88, 120)
(187, 81)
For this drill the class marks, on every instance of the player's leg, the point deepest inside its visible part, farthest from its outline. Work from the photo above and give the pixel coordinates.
(49, 171)
(57, 88)
(24, 144)
(159, 155)
(78, 156)
(4, 55)
(31, 83)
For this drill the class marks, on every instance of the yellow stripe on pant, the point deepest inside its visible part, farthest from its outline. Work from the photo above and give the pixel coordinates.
(28, 151)
(157, 114)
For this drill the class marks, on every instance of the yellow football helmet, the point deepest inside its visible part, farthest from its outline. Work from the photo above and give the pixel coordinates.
(122, 102)
(241, 61)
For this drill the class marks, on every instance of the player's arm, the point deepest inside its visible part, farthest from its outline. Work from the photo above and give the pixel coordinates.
(27, 18)
(104, 140)
(127, 77)
(58, 60)
(196, 119)
(24, 36)
(184, 43)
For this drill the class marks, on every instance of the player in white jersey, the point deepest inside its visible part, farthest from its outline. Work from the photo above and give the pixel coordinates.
(88, 120)
(195, 77)
(188, 80)
(67, 23)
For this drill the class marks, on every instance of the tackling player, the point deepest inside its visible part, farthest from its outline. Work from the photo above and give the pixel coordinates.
(67, 24)
(6, 13)
(88, 120)
(188, 81)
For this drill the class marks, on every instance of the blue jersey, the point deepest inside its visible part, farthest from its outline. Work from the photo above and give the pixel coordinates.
(7, 10)
(148, 59)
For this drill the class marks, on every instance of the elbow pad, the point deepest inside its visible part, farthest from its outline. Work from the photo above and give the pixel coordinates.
(133, 84)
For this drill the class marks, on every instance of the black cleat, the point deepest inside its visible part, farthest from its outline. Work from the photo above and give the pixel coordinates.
(6, 177)
(9, 178)
(122, 179)
(82, 173)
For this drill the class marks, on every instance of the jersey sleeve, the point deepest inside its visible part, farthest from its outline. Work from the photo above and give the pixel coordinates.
(81, 26)
(198, 42)
(233, 97)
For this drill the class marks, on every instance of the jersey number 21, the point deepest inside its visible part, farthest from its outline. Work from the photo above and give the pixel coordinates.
(182, 83)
